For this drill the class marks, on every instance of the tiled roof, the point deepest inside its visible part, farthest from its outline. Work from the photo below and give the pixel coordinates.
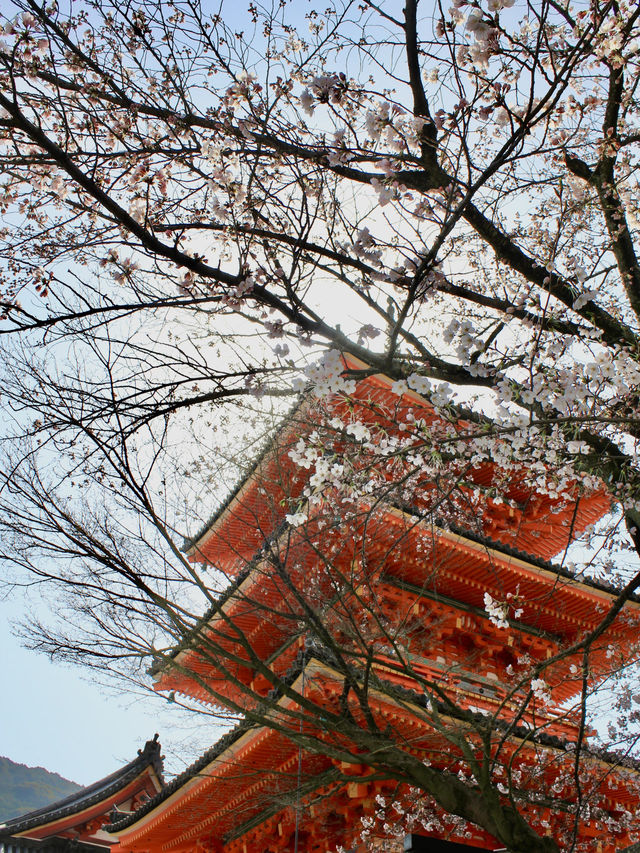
(190, 773)
(244, 477)
(305, 657)
(472, 536)
(556, 568)
(91, 795)
(188, 639)
(467, 533)
(213, 752)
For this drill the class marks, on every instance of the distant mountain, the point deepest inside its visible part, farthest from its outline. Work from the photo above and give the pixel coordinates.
(23, 789)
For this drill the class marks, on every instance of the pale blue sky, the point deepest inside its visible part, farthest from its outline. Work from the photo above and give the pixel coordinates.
(53, 716)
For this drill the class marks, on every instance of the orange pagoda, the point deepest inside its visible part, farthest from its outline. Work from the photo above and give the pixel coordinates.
(409, 626)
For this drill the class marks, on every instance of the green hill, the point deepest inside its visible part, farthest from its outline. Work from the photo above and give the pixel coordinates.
(23, 789)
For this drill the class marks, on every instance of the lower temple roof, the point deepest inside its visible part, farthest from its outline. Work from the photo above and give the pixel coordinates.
(90, 796)
(314, 654)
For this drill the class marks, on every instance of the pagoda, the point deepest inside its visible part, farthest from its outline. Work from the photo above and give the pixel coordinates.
(416, 618)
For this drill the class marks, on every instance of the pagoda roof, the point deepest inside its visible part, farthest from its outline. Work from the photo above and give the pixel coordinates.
(546, 565)
(102, 791)
(598, 585)
(191, 636)
(351, 363)
(532, 559)
(314, 656)
(192, 545)
(190, 542)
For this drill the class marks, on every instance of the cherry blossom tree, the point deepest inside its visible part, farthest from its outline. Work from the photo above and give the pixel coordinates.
(205, 211)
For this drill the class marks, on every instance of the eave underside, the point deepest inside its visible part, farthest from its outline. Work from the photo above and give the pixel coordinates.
(247, 795)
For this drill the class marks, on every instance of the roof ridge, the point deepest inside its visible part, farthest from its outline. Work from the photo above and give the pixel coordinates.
(91, 794)
(268, 443)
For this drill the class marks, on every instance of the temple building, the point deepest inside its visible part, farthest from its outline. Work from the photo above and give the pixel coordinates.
(76, 822)
(414, 617)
